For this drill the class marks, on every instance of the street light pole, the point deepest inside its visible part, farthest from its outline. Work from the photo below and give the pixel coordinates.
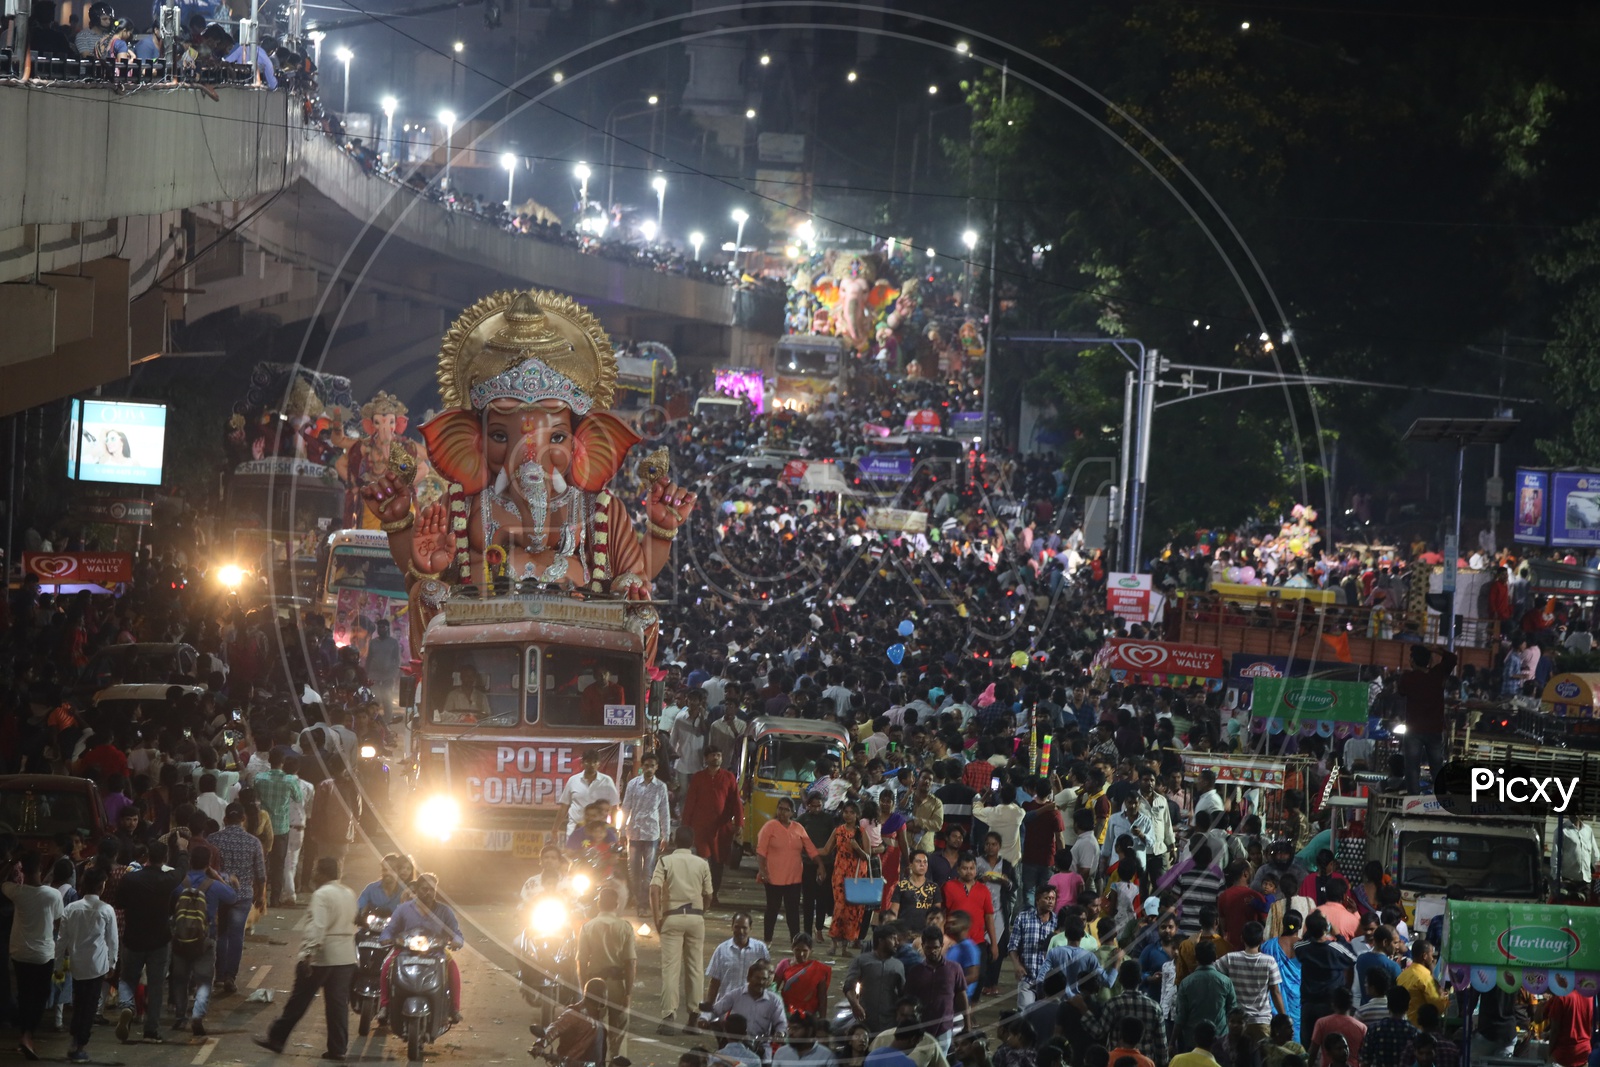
(994, 246)
(697, 239)
(659, 184)
(581, 172)
(345, 56)
(509, 161)
(449, 120)
(740, 216)
(389, 105)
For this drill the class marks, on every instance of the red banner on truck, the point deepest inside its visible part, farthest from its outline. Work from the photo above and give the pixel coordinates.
(514, 773)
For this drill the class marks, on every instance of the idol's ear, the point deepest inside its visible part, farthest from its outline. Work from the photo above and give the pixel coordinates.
(367, 427)
(455, 447)
(601, 442)
(400, 424)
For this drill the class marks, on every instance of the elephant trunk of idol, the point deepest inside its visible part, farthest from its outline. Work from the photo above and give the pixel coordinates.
(535, 491)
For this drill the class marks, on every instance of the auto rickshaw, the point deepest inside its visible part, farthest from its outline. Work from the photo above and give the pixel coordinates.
(779, 758)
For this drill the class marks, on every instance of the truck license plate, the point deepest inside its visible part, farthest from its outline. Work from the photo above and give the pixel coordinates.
(525, 844)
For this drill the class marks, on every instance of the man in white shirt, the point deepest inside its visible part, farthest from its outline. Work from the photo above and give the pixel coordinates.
(730, 963)
(586, 787)
(688, 741)
(1206, 796)
(327, 962)
(648, 822)
(33, 945)
(89, 939)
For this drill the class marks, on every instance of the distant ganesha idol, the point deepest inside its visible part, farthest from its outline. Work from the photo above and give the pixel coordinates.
(529, 448)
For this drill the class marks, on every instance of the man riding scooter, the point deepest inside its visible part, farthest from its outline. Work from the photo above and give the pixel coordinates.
(597, 846)
(424, 914)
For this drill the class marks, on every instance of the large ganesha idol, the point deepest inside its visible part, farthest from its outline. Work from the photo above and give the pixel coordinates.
(528, 448)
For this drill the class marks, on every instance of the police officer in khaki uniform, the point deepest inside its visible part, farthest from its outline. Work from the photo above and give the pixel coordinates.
(606, 952)
(680, 893)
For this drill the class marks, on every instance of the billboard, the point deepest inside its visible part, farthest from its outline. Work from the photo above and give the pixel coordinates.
(1574, 508)
(1530, 516)
(1131, 596)
(59, 568)
(896, 468)
(116, 441)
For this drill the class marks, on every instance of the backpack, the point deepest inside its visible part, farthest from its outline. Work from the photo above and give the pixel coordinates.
(190, 925)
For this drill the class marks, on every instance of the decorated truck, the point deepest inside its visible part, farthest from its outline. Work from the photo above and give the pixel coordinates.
(514, 689)
(528, 580)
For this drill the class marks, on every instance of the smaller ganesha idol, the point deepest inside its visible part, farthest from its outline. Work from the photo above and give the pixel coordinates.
(529, 449)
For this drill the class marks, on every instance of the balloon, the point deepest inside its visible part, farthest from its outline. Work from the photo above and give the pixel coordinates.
(907, 628)
(896, 654)
(1019, 659)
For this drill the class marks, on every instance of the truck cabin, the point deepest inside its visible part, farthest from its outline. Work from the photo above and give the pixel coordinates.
(532, 687)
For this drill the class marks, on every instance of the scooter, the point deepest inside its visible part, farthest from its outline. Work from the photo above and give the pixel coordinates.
(372, 775)
(371, 951)
(419, 995)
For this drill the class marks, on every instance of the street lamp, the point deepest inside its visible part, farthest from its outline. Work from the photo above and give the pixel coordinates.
(449, 119)
(970, 240)
(317, 37)
(344, 55)
(740, 216)
(581, 172)
(933, 90)
(389, 104)
(851, 77)
(749, 112)
(696, 239)
(648, 230)
(508, 160)
(460, 46)
(659, 184)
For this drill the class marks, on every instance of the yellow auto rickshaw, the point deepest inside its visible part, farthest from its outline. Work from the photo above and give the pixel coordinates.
(779, 758)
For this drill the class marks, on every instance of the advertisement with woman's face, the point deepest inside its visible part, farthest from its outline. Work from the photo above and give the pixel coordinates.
(117, 441)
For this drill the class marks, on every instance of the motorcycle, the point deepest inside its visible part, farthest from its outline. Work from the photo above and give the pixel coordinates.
(371, 951)
(372, 776)
(547, 948)
(419, 997)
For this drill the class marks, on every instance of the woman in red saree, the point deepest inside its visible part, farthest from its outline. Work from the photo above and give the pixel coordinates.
(849, 854)
(802, 980)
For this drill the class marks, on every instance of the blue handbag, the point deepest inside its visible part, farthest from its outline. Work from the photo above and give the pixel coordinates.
(864, 892)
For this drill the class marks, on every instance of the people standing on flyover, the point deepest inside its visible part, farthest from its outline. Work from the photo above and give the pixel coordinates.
(680, 893)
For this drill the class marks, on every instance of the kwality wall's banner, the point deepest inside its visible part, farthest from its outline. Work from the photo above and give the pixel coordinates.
(72, 568)
(1530, 507)
(1160, 663)
(1310, 705)
(513, 773)
(1130, 596)
(1540, 948)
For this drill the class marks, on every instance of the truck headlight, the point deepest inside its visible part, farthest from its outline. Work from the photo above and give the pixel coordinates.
(438, 817)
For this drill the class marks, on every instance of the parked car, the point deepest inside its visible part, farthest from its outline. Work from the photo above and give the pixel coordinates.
(38, 807)
(138, 664)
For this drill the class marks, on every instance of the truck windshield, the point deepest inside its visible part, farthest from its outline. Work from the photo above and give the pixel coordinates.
(474, 686)
(365, 569)
(810, 362)
(791, 759)
(1480, 864)
(587, 687)
(45, 811)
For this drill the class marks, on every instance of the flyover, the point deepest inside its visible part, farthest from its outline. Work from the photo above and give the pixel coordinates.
(128, 212)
